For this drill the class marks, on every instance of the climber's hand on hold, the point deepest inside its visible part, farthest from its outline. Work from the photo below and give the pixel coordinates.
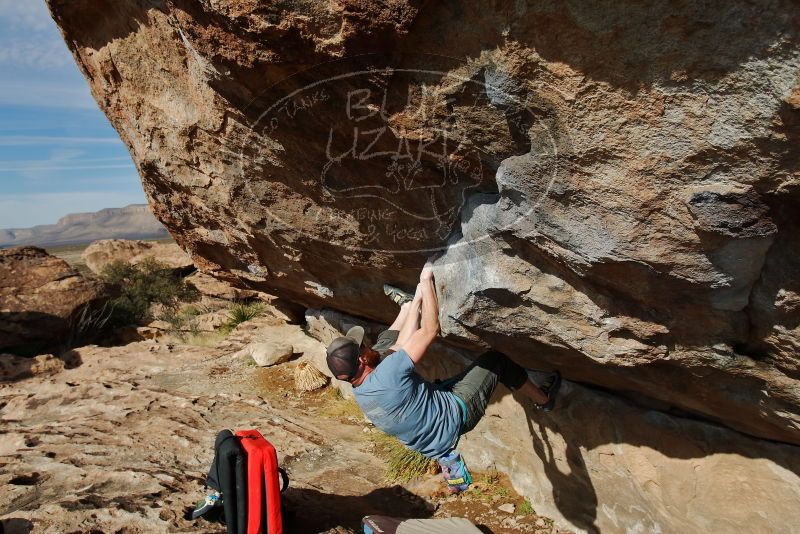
(420, 340)
(427, 272)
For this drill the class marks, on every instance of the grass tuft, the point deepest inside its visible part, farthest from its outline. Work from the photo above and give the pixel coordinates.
(526, 508)
(183, 324)
(204, 339)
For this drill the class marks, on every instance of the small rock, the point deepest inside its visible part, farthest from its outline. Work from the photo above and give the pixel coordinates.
(507, 508)
(266, 353)
(540, 523)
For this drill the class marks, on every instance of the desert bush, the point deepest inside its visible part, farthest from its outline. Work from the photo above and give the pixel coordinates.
(141, 286)
(182, 321)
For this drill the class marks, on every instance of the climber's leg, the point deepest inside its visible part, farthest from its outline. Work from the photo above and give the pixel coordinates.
(476, 385)
(388, 339)
(532, 391)
(400, 320)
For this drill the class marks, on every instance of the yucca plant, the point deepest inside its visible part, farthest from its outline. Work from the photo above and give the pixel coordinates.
(241, 312)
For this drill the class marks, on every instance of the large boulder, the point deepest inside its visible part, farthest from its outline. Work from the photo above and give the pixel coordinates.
(43, 301)
(611, 184)
(104, 251)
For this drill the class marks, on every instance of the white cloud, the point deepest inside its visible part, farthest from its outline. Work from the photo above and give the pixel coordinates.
(28, 140)
(46, 93)
(30, 209)
(66, 164)
(29, 36)
(42, 55)
(25, 14)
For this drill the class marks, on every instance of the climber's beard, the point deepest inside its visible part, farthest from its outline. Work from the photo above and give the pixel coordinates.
(370, 358)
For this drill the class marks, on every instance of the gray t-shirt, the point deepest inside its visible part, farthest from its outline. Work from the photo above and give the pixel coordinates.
(401, 403)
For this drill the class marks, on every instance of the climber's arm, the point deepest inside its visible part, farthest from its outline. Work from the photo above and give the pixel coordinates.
(419, 342)
(411, 323)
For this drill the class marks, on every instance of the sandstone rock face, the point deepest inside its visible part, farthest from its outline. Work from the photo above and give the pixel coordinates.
(602, 464)
(605, 465)
(102, 252)
(219, 289)
(42, 299)
(610, 187)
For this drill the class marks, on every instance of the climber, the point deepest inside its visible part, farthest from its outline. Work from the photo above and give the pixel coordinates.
(426, 417)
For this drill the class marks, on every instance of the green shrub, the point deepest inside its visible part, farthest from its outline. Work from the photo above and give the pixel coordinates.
(141, 286)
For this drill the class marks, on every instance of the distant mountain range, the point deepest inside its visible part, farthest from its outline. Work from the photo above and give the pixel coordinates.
(131, 222)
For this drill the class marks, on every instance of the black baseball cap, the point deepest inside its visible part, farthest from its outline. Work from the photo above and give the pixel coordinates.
(343, 353)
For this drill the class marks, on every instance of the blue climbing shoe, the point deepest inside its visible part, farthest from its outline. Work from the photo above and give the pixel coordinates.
(455, 473)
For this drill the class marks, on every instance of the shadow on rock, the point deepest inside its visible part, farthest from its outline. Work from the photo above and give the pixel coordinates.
(309, 510)
(14, 368)
(568, 440)
(573, 493)
(15, 525)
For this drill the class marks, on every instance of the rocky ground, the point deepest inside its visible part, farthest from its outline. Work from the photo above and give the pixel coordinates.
(121, 441)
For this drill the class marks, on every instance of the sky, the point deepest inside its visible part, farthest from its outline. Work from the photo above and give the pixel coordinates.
(58, 152)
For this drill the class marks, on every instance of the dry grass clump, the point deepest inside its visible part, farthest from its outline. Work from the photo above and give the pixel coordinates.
(308, 378)
(402, 464)
(335, 405)
(489, 486)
